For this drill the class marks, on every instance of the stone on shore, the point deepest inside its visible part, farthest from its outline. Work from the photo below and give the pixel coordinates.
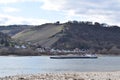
(67, 76)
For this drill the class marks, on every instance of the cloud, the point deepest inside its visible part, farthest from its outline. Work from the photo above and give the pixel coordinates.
(10, 9)
(93, 10)
(8, 20)
(53, 4)
(10, 1)
(81, 5)
(15, 1)
(105, 11)
(7, 1)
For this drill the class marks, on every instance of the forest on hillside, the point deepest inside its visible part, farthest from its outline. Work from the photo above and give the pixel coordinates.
(88, 35)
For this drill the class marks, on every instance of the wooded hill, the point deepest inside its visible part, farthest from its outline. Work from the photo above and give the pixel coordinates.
(88, 35)
(101, 38)
(4, 40)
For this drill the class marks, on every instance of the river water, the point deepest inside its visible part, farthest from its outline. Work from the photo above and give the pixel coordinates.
(42, 64)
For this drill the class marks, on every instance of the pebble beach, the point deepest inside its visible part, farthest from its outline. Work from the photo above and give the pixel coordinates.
(67, 76)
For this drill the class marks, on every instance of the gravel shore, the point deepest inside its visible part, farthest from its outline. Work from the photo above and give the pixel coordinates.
(67, 76)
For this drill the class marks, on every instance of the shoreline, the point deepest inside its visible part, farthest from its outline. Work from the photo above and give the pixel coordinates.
(114, 75)
(99, 55)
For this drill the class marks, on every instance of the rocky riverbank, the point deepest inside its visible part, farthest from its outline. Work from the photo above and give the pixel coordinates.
(67, 76)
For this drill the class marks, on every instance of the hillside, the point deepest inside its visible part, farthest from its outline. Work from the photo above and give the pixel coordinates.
(13, 29)
(5, 40)
(73, 34)
(86, 35)
(41, 35)
(9, 46)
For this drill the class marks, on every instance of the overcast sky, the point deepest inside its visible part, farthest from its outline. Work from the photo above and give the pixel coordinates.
(43, 11)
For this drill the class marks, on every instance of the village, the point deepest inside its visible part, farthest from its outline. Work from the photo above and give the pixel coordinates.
(49, 50)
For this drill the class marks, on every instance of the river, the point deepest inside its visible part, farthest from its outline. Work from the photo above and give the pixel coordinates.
(10, 65)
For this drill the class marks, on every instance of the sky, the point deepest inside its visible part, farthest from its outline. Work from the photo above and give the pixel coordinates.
(36, 12)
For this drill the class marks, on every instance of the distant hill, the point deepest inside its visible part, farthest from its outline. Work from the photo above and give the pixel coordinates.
(88, 35)
(74, 34)
(13, 29)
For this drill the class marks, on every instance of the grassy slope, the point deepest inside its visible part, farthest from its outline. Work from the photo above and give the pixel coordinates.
(13, 29)
(40, 35)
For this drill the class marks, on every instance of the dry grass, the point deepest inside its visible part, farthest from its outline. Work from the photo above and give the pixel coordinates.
(41, 36)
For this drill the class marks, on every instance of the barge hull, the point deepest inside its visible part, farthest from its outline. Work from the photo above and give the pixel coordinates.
(73, 57)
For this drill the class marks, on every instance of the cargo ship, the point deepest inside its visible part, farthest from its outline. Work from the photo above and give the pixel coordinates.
(87, 56)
